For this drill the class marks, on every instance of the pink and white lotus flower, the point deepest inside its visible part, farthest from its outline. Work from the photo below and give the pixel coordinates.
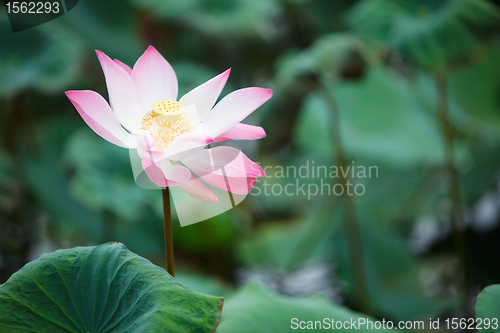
(170, 135)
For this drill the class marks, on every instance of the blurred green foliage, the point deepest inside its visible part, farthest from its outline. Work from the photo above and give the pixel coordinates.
(61, 185)
(434, 34)
(256, 309)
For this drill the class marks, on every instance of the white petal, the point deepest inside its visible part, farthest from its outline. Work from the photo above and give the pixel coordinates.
(234, 108)
(154, 79)
(96, 112)
(122, 94)
(204, 96)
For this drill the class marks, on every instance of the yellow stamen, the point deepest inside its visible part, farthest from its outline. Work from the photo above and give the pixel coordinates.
(167, 109)
(165, 123)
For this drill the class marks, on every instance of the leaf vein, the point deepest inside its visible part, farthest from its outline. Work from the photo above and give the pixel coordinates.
(120, 299)
(38, 314)
(67, 290)
(110, 283)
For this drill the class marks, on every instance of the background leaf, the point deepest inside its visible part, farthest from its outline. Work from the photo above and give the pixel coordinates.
(432, 34)
(46, 57)
(101, 171)
(480, 100)
(256, 309)
(380, 119)
(487, 306)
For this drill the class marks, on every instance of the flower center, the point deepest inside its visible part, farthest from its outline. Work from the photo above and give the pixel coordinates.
(165, 123)
(168, 110)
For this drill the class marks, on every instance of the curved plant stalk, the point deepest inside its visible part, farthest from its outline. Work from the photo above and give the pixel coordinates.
(454, 190)
(167, 229)
(315, 232)
(354, 239)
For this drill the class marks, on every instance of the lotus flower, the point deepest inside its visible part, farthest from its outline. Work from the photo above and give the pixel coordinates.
(171, 136)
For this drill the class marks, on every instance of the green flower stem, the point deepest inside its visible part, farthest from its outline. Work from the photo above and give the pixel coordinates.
(354, 239)
(167, 225)
(454, 190)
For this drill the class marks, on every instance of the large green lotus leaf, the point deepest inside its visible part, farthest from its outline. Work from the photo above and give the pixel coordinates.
(391, 271)
(101, 289)
(46, 57)
(381, 119)
(391, 274)
(488, 307)
(433, 34)
(256, 309)
(476, 88)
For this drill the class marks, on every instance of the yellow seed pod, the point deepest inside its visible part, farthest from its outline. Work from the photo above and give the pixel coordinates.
(168, 110)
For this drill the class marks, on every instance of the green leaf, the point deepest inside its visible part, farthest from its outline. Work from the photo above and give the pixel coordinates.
(431, 34)
(395, 293)
(398, 195)
(312, 133)
(255, 309)
(279, 246)
(52, 190)
(46, 57)
(476, 88)
(102, 289)
(487, 307)
(103, 170)
(331, 56)
(381, 119)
